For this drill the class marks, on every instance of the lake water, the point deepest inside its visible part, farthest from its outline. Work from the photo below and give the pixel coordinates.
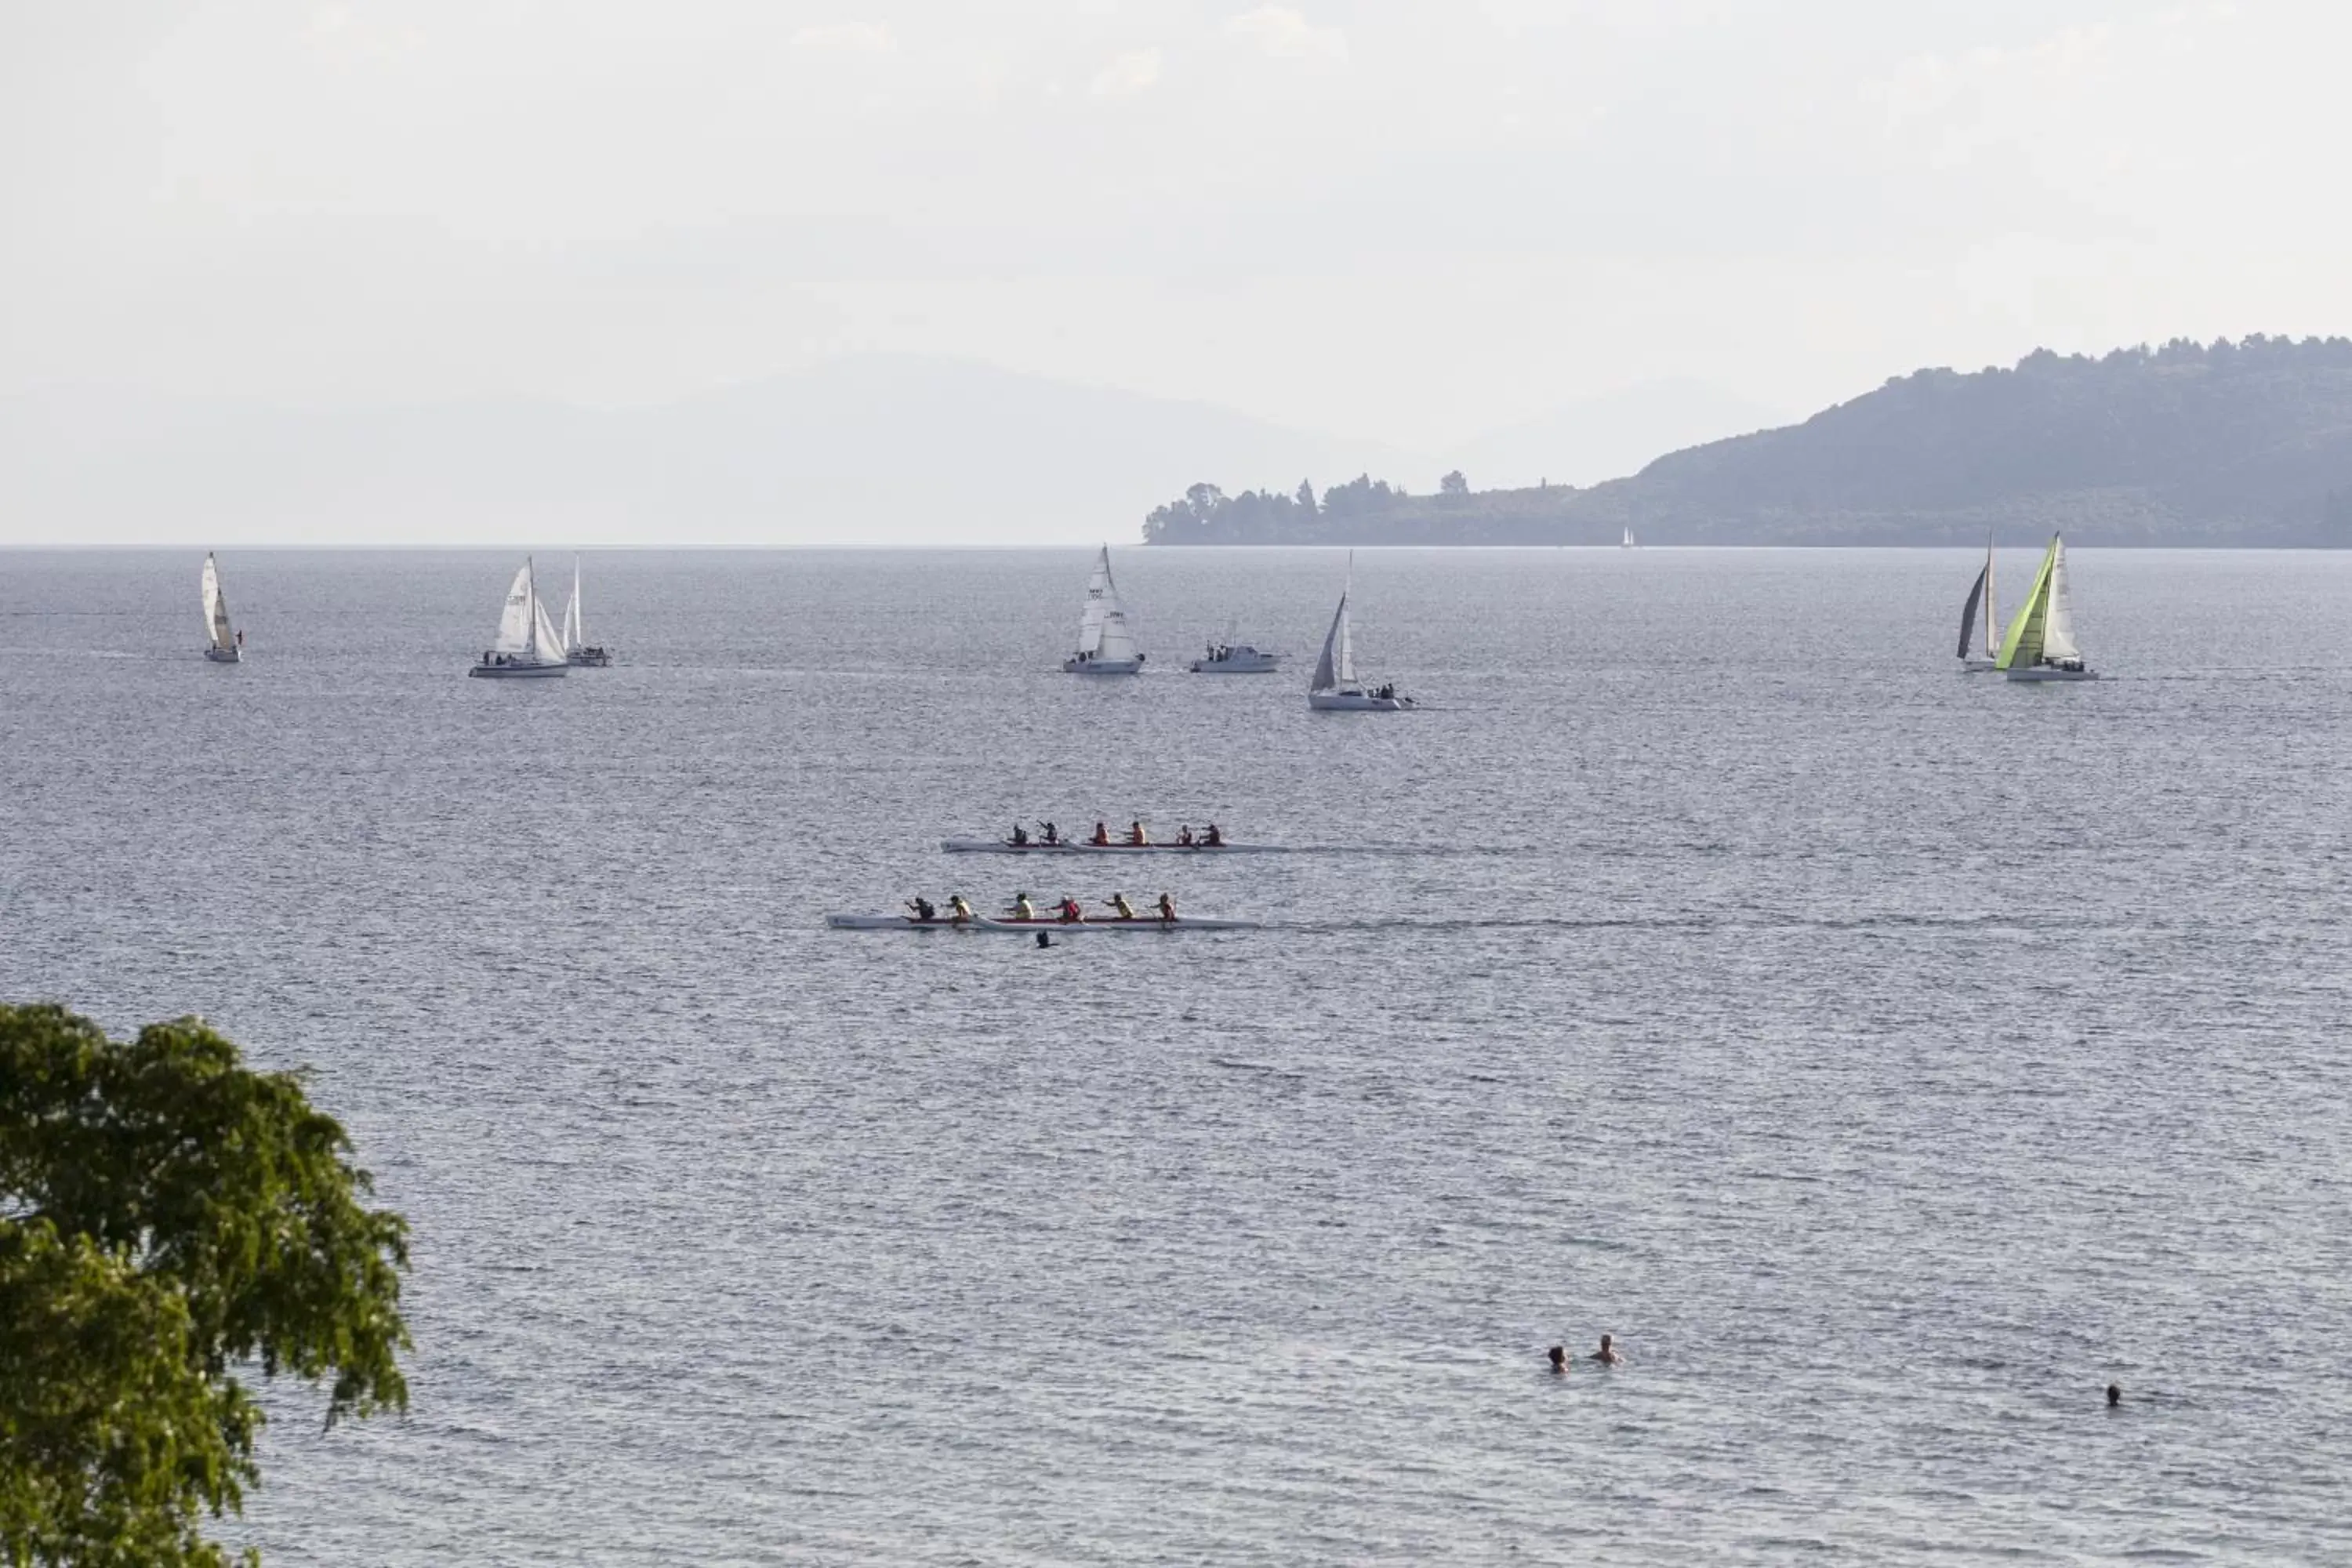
(1888, 1058)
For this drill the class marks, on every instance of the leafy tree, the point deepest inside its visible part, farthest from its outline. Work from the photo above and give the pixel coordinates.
(1454, 484)
(169, 1221)
(1306, 497)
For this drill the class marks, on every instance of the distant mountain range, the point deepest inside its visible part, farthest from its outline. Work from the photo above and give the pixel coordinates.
(874, 449)
(2246, 443)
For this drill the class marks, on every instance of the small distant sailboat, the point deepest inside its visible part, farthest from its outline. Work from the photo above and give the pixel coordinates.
(1988, 658)
(576, 649)
(1335, 688)
(1105, 645)
(528, 644)
(2041, 641)
(223, 644)
(1627, 543)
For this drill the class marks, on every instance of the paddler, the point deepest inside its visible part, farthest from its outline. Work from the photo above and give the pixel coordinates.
(923, 910)
(1052, 834)
(1184, 836)
(1136, 835)
(1022, 910)
(958, 910)
(1216, 840)
(1071, 913)
(1102, 836)
(1167, 909)
(1020, 837)
(1120, 906)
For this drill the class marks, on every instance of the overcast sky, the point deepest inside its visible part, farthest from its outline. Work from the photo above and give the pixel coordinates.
(1407, 222)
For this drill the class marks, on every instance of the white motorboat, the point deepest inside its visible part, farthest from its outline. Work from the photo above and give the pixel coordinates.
(577, 648)
(1987, 654)
(2040, 642)
(1106, 643)
(528, 645)
(223, 644)
(1335, 688)
(1235, 659)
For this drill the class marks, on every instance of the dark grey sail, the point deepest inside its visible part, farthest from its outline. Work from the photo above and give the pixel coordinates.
(1969, 613)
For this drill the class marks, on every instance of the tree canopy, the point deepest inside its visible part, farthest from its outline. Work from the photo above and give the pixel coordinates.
(170, 1221)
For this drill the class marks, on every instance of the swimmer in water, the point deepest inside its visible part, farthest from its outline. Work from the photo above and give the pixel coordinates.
(1607, 1355)
(1559, 1359)
(2114, 1395)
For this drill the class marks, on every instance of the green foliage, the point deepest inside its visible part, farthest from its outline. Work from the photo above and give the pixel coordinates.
(168, 1218)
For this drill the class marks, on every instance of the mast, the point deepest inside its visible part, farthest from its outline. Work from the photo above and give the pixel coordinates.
(531, 607)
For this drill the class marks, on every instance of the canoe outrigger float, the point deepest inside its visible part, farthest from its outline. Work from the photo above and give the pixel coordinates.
(1084, 846)
(1042, 922)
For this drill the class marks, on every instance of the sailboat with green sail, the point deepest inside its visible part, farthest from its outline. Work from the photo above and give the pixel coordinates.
(2041, 641)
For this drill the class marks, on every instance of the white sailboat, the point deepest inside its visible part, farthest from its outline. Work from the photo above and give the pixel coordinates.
(577, 649)
(2041, 641)
(1627, 543)
(528, 645)
(1987, 654)
(1105, 644)
(223, 643)
(1335, 688)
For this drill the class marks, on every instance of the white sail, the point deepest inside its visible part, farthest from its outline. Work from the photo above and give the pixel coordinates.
(515, 628)
(2058, 623)
(571, 636)
(216, 624)
(547, 645)
(1102, 606)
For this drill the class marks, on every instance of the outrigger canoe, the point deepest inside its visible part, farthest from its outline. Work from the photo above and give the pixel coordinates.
(1042, 923)
(1083, 847)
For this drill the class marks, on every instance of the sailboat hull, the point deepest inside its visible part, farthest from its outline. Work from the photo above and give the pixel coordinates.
(1102, 666)
(2050, 672)
(516, 671)
(223, 656)
(1356, 702)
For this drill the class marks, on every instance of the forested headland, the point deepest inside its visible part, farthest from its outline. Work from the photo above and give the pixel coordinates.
(2228, 443)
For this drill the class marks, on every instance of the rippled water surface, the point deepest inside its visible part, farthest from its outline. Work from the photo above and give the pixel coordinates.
(1888, 1058)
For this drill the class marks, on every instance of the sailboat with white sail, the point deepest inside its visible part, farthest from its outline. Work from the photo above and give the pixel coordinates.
(1985, 656)
(1106, 643)
(2041, 641)
(1627, 543)
(528, 645)
(223, 644)
(1335, 688)
(577, 648)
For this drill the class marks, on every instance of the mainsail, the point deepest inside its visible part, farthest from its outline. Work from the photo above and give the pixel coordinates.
(517, 627)
(2028, 634)
(1103, 632)
(217, 626)
(1969, 611)
(2058, 622)
(571, 637)
(1337, 668)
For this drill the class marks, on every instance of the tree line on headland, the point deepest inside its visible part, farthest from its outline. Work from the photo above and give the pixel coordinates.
(2230, 443)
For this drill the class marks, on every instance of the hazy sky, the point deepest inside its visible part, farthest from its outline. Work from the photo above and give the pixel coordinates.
(1402, 221)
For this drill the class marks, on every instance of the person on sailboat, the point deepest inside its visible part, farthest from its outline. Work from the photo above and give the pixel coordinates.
(1134, 834)
(1166, 908)
(958, 910)
(1022, 910)
(1020, 837)
(1120, 906)
(1071, 913)
(1214, 840)
(1102, 836)
(924, 910)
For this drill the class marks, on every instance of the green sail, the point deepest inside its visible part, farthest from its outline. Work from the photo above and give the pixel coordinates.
(2025, 632)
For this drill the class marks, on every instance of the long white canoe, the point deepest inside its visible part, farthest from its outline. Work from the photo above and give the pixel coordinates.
(1074, 846)
(1140, 923)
